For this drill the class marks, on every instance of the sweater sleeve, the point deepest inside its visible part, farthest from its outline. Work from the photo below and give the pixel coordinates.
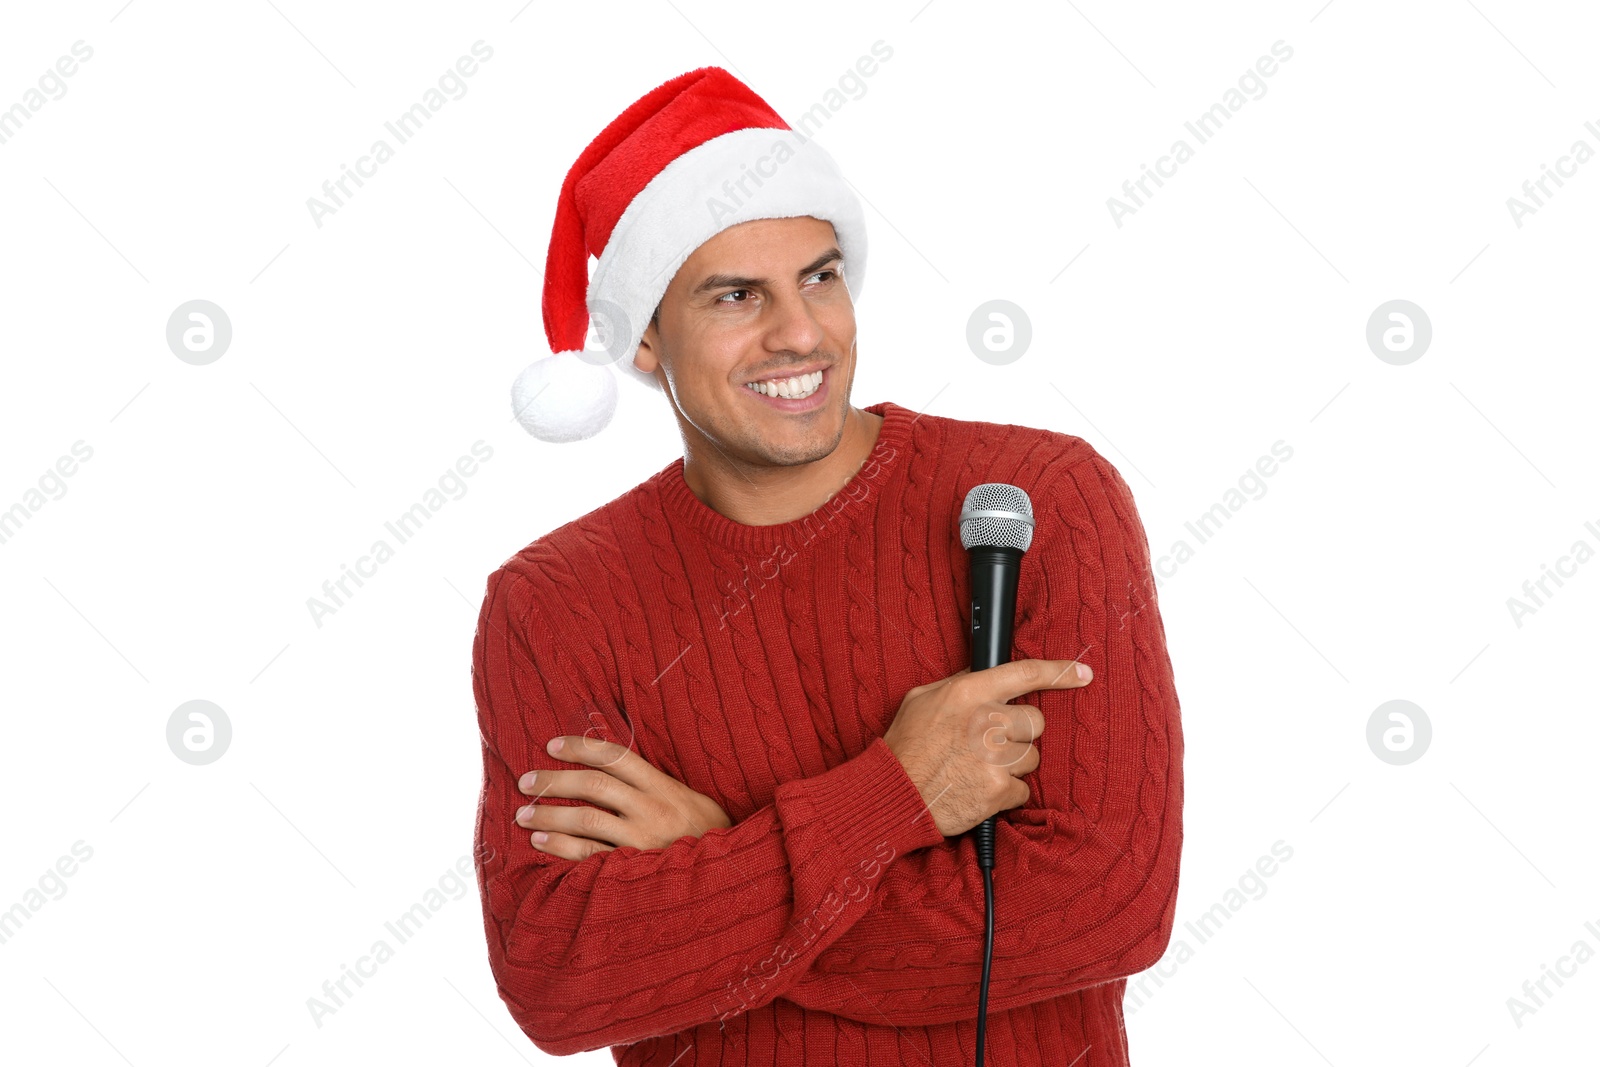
(635, 943)
(1086, 871)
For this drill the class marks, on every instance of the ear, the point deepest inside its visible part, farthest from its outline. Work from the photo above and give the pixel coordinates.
(648, 358)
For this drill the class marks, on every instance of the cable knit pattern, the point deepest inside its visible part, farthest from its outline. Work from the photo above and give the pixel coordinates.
(761, 665)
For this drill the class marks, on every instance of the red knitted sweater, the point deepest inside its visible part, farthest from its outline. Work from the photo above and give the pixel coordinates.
(761, 666)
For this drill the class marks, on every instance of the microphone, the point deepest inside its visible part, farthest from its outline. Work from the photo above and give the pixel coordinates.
(996, 529)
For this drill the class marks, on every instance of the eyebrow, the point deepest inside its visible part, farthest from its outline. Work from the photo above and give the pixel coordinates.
(723, 281)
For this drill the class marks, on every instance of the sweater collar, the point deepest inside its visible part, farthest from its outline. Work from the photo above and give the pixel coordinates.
(852, 506)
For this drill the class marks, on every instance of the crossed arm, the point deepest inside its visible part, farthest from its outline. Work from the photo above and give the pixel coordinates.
(1085, 877)
(629, 943)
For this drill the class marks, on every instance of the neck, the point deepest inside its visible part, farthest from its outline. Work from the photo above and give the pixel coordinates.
(766, 495)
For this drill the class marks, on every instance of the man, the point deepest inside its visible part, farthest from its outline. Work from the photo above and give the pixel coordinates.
(731, 751)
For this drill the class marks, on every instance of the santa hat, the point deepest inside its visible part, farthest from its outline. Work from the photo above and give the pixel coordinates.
(690, 158)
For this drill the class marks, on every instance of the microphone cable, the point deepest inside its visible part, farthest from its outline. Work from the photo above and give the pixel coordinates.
(985, 839)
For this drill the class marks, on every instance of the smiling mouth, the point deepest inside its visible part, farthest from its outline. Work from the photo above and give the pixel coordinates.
(797, 387)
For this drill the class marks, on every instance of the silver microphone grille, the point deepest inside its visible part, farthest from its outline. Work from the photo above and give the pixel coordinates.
(997, 515)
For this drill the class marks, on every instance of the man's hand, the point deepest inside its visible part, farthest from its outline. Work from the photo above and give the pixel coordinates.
(652, 809)
(966, 747)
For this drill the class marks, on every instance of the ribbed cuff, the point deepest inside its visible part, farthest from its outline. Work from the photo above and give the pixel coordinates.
(869, 800)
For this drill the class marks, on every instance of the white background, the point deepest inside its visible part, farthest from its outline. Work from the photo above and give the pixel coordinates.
(369, 353)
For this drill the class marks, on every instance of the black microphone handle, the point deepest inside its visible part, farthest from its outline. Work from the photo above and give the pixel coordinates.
(994, 610)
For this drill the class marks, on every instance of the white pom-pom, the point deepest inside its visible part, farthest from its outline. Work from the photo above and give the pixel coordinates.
(564, 398)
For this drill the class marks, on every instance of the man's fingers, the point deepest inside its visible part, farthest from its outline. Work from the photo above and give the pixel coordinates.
(1013, 722)
(1027, 723)
(1009, 734)
(597, 787)
(574, 821)
(1054, 674)
(615, 759)
(1027, 763)
(572, 848)
(619, 761)
(1007, 681)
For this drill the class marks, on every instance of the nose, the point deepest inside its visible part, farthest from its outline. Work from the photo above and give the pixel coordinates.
(793, 326)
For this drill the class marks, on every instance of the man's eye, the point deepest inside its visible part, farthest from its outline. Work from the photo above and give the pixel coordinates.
(831, 274)
(723, 298)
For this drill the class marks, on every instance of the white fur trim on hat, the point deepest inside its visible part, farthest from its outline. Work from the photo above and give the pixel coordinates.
(739, 176)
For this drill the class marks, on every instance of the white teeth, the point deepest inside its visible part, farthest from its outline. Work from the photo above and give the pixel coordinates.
(797, 388)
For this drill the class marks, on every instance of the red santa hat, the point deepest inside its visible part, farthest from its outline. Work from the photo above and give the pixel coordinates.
(690, 158)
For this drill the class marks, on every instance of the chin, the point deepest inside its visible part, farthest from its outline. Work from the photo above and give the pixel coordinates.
(818, 441)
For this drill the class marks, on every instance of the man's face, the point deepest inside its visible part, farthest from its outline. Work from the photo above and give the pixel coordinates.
(760, 301)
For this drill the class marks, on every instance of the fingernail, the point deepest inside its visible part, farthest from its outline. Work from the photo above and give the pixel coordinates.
(555, 745)
(524, 811)
(1084, 673)
(540, 837)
